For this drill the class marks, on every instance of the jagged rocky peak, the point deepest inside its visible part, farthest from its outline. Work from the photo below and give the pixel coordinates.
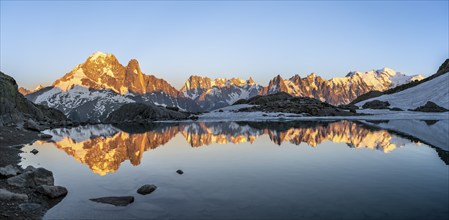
(340, 90)
(277, 84)
(250, 81)
(103, 71)
(25, 91)
(195, 82)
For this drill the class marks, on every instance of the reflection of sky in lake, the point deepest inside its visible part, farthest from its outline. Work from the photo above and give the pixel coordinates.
(256, 180)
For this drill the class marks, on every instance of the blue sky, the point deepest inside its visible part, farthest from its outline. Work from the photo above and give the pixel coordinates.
(41, 41)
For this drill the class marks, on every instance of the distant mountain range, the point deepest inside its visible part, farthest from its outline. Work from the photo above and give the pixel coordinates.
(101, 84)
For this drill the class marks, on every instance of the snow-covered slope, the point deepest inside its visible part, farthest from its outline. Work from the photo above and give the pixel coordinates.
(435, 90)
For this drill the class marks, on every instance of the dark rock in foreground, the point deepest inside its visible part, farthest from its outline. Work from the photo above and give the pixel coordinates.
(45, 136)
(146, 189)
(52, 191)
(15, 108)
(430, 107)
(376, 104)
(143, 113)
(29, 207)
(32, 178)
(34, 151)
(115, 200)
(6, 195)
(180, 172)
(283, 102)
(9, 171)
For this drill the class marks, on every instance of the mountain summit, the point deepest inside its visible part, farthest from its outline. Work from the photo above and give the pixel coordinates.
(340, 90)
(103, 71)
(100, 85)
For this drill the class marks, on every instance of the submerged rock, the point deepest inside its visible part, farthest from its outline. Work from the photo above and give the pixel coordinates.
(9, 171)
(115, 200)
(146, 189)
(52, 191)
(7, 195)
(180, 172)
(32, 178)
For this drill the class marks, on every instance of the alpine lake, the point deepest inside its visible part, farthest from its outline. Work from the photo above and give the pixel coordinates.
(246, 170)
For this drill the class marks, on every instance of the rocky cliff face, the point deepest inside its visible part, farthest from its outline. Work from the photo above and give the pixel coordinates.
(338, 91)
(15, 108)
(212, 94)
(103, 71)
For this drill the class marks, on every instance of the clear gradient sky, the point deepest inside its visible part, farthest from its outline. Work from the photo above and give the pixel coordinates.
(41, 41)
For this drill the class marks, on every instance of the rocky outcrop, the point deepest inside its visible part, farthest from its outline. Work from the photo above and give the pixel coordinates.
(376, 104)
(142, 113)
(15, 108)
(283, 102)
(430, 107)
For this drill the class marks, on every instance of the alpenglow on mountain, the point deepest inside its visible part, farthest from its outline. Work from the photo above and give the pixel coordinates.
(100, 85)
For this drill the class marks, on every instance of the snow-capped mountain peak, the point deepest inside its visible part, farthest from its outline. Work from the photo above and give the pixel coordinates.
(212, 94)
(339, 90)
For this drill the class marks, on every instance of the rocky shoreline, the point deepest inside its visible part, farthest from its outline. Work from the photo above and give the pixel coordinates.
(24, 193)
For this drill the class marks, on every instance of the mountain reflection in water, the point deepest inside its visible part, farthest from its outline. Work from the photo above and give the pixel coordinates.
(104, 147)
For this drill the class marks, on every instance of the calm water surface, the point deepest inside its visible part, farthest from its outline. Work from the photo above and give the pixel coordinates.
(311, 170)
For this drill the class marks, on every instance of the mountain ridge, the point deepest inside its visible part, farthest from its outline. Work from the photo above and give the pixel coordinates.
(101, 84)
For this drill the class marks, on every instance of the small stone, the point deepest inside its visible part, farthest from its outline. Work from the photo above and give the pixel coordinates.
(29, 207)
(146, 189)
(115, 200)
(180, 172)
(7, 195)
(52, 191)
(34, 151)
